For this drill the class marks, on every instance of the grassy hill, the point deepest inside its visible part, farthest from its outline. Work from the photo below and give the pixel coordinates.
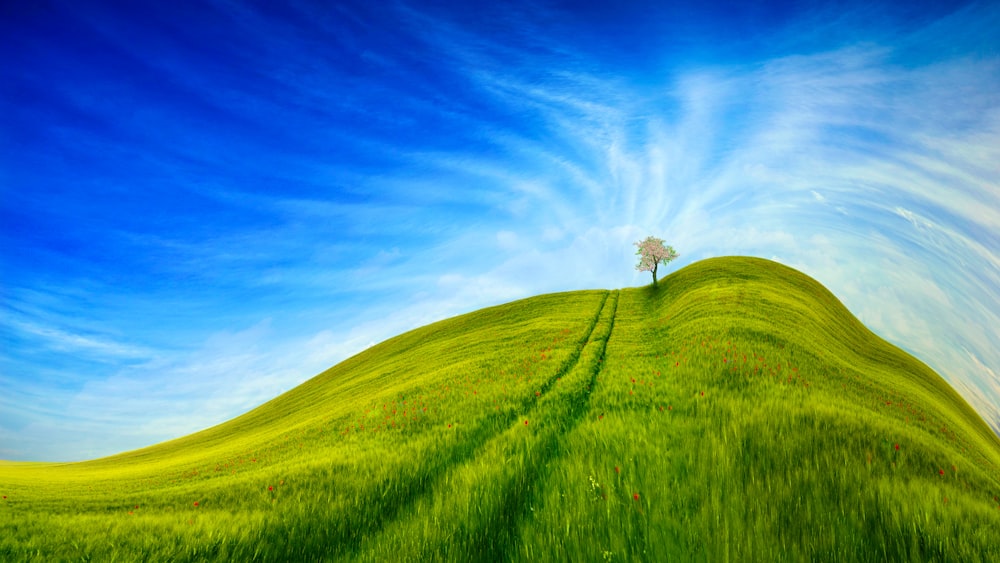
(736, 412)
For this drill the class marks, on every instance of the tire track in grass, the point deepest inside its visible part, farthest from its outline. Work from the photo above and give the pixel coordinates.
(349, 536)
(497, 541)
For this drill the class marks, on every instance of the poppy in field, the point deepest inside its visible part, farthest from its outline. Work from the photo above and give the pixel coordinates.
(525, 422)
(702, 393)
(617, 470)
(635, 496)
(897, 447)
(270, 488)
(196, 503)
(941, 472)
(136, 506)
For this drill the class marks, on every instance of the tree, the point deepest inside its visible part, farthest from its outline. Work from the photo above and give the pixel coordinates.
(652, 253)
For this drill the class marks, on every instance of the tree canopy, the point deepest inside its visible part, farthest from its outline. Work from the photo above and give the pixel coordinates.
(652, 252)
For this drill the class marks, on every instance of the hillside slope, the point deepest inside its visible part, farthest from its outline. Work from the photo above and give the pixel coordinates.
(736, 412)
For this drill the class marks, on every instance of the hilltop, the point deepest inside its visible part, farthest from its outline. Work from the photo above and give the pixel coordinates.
(738, 411)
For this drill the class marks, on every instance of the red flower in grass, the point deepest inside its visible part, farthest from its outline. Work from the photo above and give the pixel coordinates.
(617, 470)
(136, 506)
(270, 488)
(196, 503)
(941, 471)
(702, 393)
(635, 496)
(897, 447)
(525, 422)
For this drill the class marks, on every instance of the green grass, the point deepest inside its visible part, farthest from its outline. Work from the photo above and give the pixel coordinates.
(737, 412)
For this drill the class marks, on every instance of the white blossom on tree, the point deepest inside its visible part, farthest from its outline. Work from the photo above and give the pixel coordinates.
(652, 252)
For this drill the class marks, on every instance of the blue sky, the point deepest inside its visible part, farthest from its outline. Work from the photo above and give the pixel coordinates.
(204, 204)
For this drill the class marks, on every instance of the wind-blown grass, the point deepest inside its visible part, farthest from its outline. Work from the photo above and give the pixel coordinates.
(736, 412)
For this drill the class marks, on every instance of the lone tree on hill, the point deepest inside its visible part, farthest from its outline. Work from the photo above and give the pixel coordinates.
(652, 253)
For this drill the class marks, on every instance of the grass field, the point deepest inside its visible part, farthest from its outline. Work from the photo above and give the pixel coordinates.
(737, 412)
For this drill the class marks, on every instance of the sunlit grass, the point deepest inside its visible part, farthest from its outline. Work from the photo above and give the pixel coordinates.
(736, 412)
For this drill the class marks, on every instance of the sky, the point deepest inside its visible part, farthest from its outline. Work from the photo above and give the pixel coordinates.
(204, 204)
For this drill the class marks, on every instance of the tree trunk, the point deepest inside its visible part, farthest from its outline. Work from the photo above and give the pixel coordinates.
(654, 275)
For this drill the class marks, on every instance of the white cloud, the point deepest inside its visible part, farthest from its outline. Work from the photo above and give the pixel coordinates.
(67, 341)
(552, 234)
(507, 240)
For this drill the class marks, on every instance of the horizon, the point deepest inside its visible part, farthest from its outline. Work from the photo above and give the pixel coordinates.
(204, 205)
